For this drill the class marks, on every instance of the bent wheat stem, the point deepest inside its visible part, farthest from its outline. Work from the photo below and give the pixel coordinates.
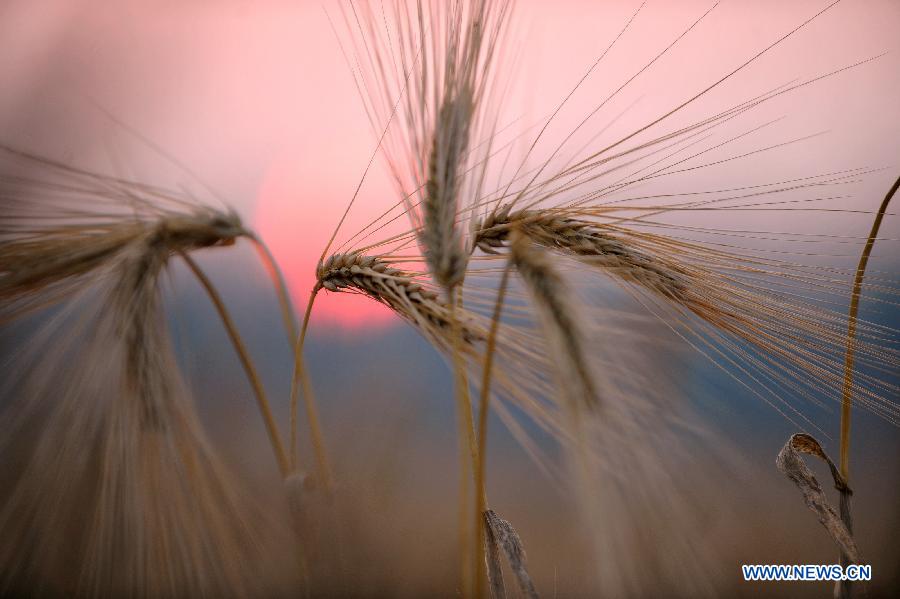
(284, 298)
(246, 362)
(847, 392)
(287, 315)
(844, 589)
(301, 377)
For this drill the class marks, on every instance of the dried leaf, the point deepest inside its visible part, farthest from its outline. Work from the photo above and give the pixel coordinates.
(492, 558)
(501, 533)
(790, 462)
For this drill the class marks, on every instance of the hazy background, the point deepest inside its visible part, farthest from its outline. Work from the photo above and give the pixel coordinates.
(255, 99)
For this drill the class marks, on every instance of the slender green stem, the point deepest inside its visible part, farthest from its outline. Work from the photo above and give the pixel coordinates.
(246, 362)
(484, 400)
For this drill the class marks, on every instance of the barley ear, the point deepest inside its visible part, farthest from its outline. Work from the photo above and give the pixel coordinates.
(559, 319)
(440, 234)
(586, 241)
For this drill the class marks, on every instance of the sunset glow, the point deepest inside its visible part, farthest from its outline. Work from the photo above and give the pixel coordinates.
(296, 214)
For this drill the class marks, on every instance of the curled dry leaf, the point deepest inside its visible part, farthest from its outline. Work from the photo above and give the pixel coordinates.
(502, 535)
(492, 559)
(790, 462)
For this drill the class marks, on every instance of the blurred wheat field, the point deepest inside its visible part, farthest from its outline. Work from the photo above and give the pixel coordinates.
(650, 315)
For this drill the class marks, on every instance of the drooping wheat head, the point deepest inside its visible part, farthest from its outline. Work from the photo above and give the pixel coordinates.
(562, 329)
(121, 469)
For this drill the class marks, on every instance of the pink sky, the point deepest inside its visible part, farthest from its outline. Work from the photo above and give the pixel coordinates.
(255, 97)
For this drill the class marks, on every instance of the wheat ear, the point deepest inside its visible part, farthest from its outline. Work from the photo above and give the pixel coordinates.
(559, 319)
(440, 235)
(583, 239)
(411, 300)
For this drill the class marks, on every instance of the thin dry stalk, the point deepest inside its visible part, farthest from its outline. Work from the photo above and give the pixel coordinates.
(284, 298)
(301, 377)
(296, 341)
(847, 390)
(468, 448)
(844, 590)
(443, 241)
(246, 362)
(483, 408)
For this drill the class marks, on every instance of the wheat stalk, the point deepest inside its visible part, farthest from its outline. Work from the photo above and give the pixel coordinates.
(440, 236)
(844, 589)
(847, 387)
(485, 534)
(246, 363)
